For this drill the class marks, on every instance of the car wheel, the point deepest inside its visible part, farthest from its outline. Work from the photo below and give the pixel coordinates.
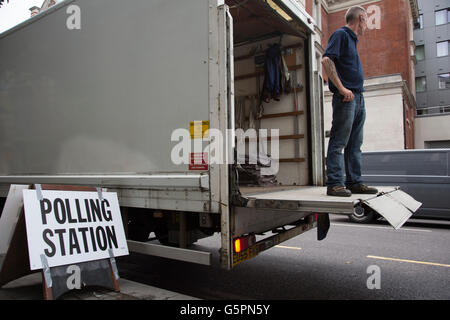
(363, 216)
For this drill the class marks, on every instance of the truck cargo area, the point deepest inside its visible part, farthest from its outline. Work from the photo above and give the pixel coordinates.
(258, 27)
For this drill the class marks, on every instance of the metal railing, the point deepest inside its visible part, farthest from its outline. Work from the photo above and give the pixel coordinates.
(433, 111)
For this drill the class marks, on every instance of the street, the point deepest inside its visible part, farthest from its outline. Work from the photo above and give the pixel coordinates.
(410, 263)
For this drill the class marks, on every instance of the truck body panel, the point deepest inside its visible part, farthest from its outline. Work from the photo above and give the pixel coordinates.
(82, 107)
(87, 93)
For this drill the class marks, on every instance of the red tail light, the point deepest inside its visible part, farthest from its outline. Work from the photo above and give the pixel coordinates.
(243, 243)
(237, 245)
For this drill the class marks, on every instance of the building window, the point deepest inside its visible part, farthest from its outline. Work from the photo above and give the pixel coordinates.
(420, 53)
(419, 23)
(421, 84)
(443, 144)
(442, 48)
(442, 16)
(444, 81)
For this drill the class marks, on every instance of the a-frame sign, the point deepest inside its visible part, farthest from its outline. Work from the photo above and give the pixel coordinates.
(85, 271)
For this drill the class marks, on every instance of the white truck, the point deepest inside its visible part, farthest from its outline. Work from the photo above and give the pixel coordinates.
(92, 93)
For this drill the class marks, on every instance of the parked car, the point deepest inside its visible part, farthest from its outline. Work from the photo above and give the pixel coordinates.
(423, 174)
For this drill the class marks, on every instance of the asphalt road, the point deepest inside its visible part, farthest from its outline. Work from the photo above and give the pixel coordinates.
(410, 263)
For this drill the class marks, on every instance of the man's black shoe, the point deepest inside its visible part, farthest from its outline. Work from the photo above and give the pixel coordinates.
(363, 189)
(338, 191)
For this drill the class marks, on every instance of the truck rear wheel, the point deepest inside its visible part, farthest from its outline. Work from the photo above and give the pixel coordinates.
(2, 205)
(140, 224)
(162, 234)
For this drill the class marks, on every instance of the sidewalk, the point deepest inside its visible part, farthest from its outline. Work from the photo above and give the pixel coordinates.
(30, 288)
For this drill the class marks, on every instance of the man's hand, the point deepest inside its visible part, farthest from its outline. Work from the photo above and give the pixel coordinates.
(348, 94)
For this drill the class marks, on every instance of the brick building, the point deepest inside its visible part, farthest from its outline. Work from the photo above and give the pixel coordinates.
(387, 55)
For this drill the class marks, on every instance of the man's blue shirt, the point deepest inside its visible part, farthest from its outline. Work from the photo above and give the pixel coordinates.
(342, 50)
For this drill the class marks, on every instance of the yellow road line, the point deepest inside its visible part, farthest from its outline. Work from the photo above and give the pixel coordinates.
(292, 248)
(411, 261)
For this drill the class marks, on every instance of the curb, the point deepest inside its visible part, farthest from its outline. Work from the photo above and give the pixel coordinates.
(30, 288)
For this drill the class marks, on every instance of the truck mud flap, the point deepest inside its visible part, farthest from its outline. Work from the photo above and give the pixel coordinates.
(323, 225)
(396, 207)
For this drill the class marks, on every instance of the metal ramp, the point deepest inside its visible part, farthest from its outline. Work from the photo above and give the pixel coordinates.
(393, 204)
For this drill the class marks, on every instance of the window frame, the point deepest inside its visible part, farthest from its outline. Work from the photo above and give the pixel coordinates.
(425, 84)
(437, 48)
(415, 52)
(421, 21)
(446, 82)
(447, 16)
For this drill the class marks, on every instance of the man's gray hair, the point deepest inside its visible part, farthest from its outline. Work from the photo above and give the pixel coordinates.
(353, 13)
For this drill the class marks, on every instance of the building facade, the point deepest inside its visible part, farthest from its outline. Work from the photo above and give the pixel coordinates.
(432, 37)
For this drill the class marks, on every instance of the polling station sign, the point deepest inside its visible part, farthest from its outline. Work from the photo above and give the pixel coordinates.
(68, 227)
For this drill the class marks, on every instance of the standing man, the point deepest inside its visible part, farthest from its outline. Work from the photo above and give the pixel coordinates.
(346, 80)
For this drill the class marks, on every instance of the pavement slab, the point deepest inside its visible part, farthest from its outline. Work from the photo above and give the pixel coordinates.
(30, 288)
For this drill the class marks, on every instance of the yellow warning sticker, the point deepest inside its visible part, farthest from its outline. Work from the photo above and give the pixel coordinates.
(199, 129)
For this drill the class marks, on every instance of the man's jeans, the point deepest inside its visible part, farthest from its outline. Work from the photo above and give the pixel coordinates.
(346, 139)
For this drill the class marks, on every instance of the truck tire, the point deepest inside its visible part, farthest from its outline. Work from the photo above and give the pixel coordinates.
(2, 205)
(139, 226)
(367, 217)
(162, 234)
